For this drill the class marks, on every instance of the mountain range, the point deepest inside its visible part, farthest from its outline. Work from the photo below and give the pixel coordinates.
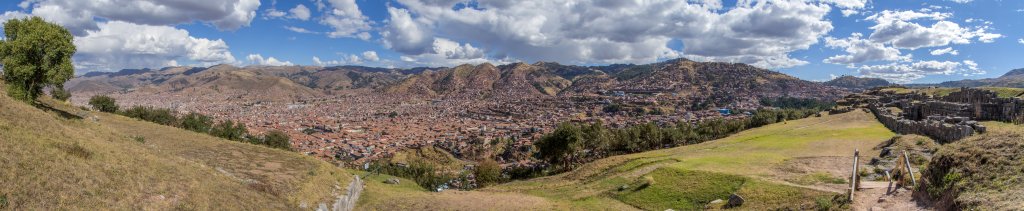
(1014, 79)
(679, 76)
(857, 83)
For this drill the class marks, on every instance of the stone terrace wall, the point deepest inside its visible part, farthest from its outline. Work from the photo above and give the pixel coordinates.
(942, 129)
(985, 105)
(347, 202)
(920, 111)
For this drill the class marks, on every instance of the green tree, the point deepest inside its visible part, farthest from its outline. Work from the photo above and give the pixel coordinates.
(229, 130)
(154, 115)
(562, 146)
(197, 122)
(277, 139)
(103, 103)
(35, 54)
(487, 172)
(60, 93)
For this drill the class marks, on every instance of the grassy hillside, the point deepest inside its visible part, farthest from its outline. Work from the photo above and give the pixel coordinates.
(983, 172)
(763, 165)
(66, 158)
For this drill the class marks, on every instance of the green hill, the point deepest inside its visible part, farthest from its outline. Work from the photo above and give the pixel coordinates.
(65, 158)
(792, 165)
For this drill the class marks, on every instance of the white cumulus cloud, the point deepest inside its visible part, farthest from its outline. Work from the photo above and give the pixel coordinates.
(258, 59)
(762, 33)
(119, 45)
(80, 16)
(300, 30)
(906, 72)
(948, 50)
(860, 50)
(300, 12)
(346, 19)
(371, 56)
(899, 29)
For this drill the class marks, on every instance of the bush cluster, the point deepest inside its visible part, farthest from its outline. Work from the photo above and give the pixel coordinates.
(424, 174)
(196, 122)
(103, 103)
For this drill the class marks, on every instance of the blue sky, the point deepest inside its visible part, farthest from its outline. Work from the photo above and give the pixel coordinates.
(902, 41)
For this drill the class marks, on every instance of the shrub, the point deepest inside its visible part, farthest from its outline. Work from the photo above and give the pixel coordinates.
(487, 172)
(612, 108)
(197, 122)
(77, 151)
(425, 174)
(277, 139)
(103, 103)
(139, 139)
(229, 130)
(154, 115)
(60, 93)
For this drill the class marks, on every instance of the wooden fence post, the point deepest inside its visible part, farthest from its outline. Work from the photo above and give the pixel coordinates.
(853, 177)
(888, 189)
(906, 159)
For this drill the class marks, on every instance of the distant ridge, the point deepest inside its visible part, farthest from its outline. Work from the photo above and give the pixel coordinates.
(1014, 73)
(724, 82)
(1013, 78)
(857, 83)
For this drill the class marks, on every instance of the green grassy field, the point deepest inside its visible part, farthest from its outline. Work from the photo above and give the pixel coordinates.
(54, 160)
(757, 164)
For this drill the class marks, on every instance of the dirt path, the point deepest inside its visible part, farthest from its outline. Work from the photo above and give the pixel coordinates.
(876, 199)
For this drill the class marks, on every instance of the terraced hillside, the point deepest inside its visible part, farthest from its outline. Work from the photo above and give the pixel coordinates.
(797, 164)
(65, 158)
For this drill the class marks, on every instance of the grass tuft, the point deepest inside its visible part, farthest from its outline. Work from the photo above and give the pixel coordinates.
(76, 150)
(139, 139)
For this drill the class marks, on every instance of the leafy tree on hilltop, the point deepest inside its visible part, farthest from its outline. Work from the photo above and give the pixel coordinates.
(277, 139)
(154, 115)
(35, 54)
(197, 122)
(103, 103)
(229, 130)
(562, 146)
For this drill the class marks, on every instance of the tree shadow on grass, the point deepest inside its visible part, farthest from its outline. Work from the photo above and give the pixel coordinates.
(61, 113)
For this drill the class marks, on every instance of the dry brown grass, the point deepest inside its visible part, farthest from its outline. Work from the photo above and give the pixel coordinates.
(983, 172)
(49, 162)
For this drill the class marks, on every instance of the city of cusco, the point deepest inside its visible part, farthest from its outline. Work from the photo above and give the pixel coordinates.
(511, 105)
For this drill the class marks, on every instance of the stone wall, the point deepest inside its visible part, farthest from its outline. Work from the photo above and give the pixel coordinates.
(920, 111)
(941, 128)
(985, 105)
(347, 202)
